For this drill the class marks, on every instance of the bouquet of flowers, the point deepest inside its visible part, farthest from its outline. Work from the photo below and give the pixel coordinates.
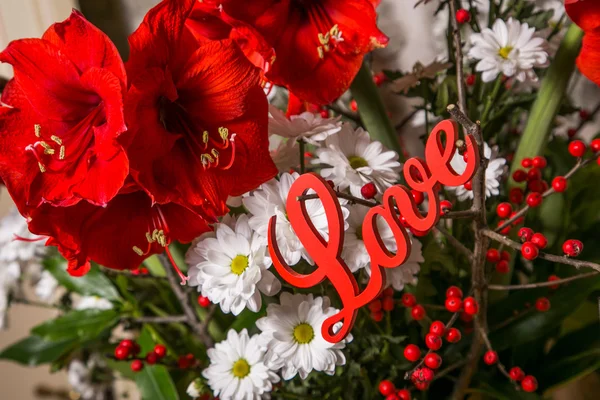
(231, 213)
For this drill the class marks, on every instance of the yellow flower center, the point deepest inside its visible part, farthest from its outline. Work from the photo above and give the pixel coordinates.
(241, 368)
(505, 51)
(357, 162)
(304, 333)
(239, 264)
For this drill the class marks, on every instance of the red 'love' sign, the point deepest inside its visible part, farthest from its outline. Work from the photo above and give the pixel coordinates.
(397, 202)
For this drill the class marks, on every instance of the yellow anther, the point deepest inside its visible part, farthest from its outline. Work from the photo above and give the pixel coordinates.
(215, 153)
(56, 139)
(206, 159)
(321, 52)
(324, 39)
(335, 30)
(138, 251)
(224, 133)
(205, 137)
(42, 167)
(61, 155)
(149, 237)
(49, 151)
(45, 145)
(38, 130)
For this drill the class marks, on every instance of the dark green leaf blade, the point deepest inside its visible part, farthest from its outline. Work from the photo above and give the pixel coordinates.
(80, 325)
(154, 381)
(94, 283)
(35, 350)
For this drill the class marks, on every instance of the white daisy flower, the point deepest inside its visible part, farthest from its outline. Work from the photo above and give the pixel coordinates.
(308, 126)
(95, 302)
(270, 200)
(355, 160)
(354, 252)
(231, 267)
(285, 153)
(509, 48)
(46, 286)
(291, 332)
(493, 173)
(237, 369)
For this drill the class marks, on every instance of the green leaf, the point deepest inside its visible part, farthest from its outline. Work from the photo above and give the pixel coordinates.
(35, 350)
(154, 381)
(80, 325)
(94, 283)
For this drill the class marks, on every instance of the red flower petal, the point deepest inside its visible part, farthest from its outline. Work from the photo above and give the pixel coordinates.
(586, 14)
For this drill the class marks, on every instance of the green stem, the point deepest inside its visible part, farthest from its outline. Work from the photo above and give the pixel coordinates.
(491, 99)
(549, 99)
(372, 111)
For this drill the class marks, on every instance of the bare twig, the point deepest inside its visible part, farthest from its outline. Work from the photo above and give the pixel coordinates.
(545, 256)
(159, 320)
(500, 366)
(542, 284)
(348, 115)
(341, 195)
(406, 119)
(449, 369)
(455, 242)
(460, 80)
(200, 328)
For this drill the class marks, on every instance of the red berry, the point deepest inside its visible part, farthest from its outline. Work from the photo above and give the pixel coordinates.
(571, 132)
(151, 358)
(433, 360)
(534, 174)
(463, 16)
(368, 191)
(417, 197)
(421, 378)
(454, 291)
(526, 162)
(377, 316)
(453, 304)
(572, 247)
(464, 317)
(517, 221)
(412, 353)
(471, 306)
(375, 305)
(542, 304)
(388, 291)
(354, 105)
(160, 350)
(493, 256)
(433, 342)
(502, 267)
(559, 184)
(437, 328)
(471, 79)
(403, 394)
(203, 301)
(379, 78)
(553, 278)
(468, 186)
(490, 357)
(121, 352)
(539, 240)
(324, 113)
(516, 374)
(135, 350)
(409, 300)
(525, 234)
(392, 396)
(506, 229)
(534, 199)
(445, 206)
(516, 195)
(529, 384)
(386, 388)
(519, 175)
(584, 114)
(504, 210)
(539, 162)
(137, 365)
(505, 255)
(388, 303)
(595, 145)
(530, 251)
(127, 343)
(577, 148)
(418, 312)
(453, 335)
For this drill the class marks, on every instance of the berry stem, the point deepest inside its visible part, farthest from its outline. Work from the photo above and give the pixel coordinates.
(455, 242)
(542, 284)
(500, 366)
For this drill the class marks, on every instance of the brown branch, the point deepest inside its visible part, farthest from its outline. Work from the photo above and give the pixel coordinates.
(454, 242)
(500, 366)
(344, 113)
(200, 328)
(158, 320)
(542, 284)
(460, 80)
(406, 119)
(449, 369)
(512, 319)
(544, 256)
(341, 195)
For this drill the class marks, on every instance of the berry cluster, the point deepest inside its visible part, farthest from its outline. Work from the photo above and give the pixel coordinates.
(385, 302)
(528, 383)
(533, 242)
(387, 389)
(417, 311)
(130, 349)
(500, 259)
(455, 303)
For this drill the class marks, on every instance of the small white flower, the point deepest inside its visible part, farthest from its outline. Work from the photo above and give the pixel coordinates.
(193, 390)
(308, 126)
(270, 200)
(9, 277)
(291, 332)
(285, 153)
(231, 267)
(46, 286)
(354, 252)
(493, 173)
(406, 273)
(237, 370)
(355, 160)
(509, 48)
(88, 302)
(81, 377)
(566, 123)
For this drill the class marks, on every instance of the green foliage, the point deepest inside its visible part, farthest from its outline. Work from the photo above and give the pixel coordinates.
(79, 326)
(94, 283)
(154, 381)
(35, 350)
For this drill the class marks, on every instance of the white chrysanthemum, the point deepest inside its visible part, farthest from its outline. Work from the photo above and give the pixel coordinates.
(566, 123)
(81, 377)
(509, 48)
(354, 252)
(46, 286)
(493, 173)
(291, 332)
(355, 160)
(311, 127)
(231, 268)
(285, 153)
(237, 370)
(88, 302)
(406, 273)
(270, 200)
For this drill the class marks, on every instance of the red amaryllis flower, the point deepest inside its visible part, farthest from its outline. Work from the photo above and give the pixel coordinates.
(196, 112)
(58, 138)
(120, 236)
(586, 14)
(319, 44)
